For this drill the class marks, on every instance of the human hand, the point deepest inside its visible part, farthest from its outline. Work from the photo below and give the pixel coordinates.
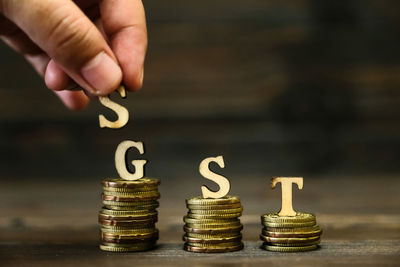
(92, 45)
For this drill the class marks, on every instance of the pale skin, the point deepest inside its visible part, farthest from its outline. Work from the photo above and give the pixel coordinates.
(81, 48)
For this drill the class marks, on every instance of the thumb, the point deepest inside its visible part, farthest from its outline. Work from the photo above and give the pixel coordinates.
(68, 36)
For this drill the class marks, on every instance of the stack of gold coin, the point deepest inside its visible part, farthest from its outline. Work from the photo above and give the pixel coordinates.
(213, 225)
(290, 233)
(129, 214)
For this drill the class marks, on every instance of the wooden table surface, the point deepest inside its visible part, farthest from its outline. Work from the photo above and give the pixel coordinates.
(46, 223)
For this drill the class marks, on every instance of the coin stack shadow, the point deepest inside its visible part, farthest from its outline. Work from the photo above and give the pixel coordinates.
(129, 215)
(213, 225)
(290, 233)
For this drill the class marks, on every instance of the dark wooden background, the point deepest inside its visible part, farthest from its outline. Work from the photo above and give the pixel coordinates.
(298, 87)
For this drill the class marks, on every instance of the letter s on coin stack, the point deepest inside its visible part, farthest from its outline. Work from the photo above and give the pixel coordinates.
(290, 233)
(129, 214)
(213, 225)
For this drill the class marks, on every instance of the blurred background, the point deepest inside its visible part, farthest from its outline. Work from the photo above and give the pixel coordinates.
(294, 87)
(279, 88)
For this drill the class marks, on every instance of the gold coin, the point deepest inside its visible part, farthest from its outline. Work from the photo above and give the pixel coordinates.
(132, 204)
(133, 208)
(129, 223)
(213, 236)
(214, 245)
(213, 249)
(299, 218)
(292, 234)
(133, 247)
(214, 212)
(118, 249)
(147, 208)
(291, 240)
(128, 216)
(130, 199)
(214, 207)
(130, 236)
(214, 231)
(289, 249)
(213, 240)
(293, 230)
(106, 211)
(144, 244)
(288, 225)
(138, 228)
(213, 225)
(129, 240)
(151, 193)
(214, 216)
(121, 183)
(153, 216)
(293, 244)
(213, 201)
(127, 231)
(211, 221)
(130, 190)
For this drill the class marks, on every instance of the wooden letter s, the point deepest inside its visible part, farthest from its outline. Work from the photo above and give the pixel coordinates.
(222, 182)
(122, 112)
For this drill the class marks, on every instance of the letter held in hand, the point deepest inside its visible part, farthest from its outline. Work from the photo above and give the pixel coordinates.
(286, 184)
(222, 182)
(122, 112)
(120, 160)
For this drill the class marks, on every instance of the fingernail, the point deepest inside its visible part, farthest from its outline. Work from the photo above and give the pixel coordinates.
(102, 73)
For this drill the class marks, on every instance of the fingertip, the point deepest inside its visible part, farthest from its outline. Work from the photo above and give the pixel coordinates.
(74, 100)
(55, 78)
(134, 84)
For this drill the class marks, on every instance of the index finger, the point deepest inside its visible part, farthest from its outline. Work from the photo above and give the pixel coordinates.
(124, 23)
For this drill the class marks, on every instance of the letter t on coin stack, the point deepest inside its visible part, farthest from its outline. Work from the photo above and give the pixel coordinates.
(288, 230)
(129, 213)
(212, 223)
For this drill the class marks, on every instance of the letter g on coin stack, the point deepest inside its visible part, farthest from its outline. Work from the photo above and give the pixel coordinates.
(213, 225)
(129, 214)
(290, 233)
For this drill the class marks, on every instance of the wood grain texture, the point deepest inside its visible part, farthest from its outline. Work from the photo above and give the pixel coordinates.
(45, 223)
(335, 253)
